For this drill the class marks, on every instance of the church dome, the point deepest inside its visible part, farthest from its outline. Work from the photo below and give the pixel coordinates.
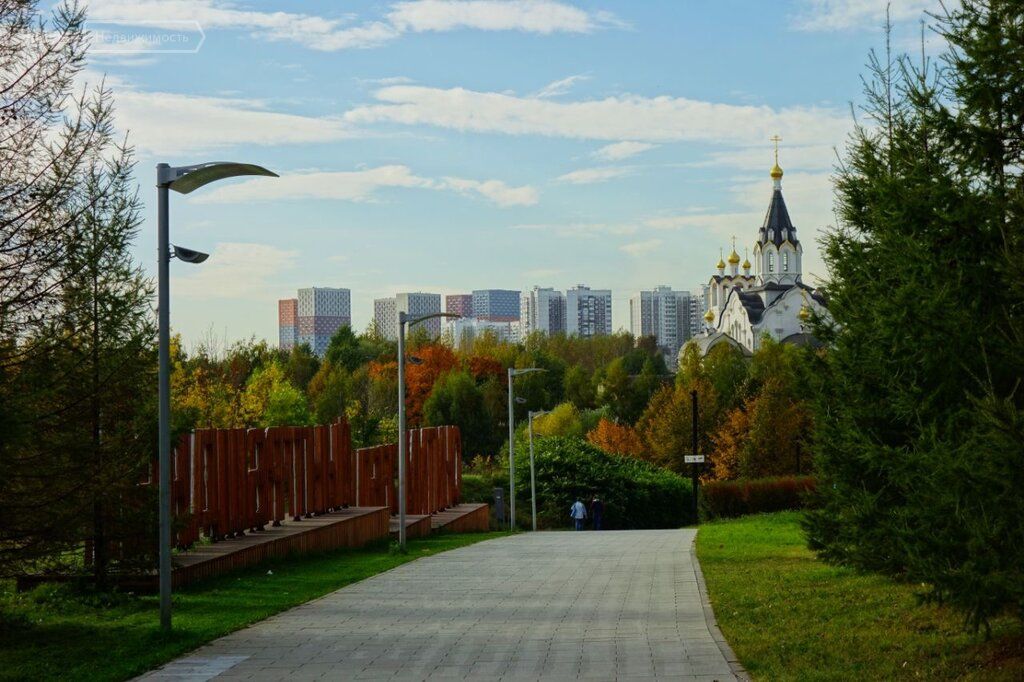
(746, 264)
(721, 263)
(709, 316)
(804, 314)
(776, 172)
(734, 258)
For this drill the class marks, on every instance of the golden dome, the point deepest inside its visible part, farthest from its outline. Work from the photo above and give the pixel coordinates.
(776, 172)
(709, 316)
(734, 258)
(721, 263)
(804, 314)
(746, 261)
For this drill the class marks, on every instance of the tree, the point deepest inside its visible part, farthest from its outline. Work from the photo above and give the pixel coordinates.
(301, 366)
(922, 407)
(618, 439)
(75, 327)
(344, 349)
(456, 399)
(435, 361)
(270, 399)
(563, 420)
(578, 388)
(330, 392)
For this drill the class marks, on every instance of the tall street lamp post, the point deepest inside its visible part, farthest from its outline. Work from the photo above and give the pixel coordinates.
(512, 374)
(403, 321)
(533, 478)
(182, 179)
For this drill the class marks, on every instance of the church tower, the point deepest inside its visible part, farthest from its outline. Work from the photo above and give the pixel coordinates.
(778, 253)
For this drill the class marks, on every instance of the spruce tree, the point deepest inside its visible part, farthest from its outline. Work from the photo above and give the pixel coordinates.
(919, 448)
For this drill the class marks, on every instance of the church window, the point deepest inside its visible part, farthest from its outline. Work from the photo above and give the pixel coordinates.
(785, 262)
(771, 262)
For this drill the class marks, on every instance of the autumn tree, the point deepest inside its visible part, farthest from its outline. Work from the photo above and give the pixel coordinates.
(618, 439)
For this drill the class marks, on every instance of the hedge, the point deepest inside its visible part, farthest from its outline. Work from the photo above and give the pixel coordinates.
(723, 499)
(635, 494)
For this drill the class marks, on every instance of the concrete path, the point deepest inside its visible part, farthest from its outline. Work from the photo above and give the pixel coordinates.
(553, 606)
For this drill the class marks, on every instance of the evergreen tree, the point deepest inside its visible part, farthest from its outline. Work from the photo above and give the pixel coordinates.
(919, 445)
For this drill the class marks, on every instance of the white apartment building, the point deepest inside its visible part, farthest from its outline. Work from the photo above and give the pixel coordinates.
(542, 309)
(413, 304)
(665, 314)
(588, 312)
(460, 333)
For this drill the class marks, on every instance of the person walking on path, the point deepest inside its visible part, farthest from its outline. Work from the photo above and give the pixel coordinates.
(578, 512)
(596, 512)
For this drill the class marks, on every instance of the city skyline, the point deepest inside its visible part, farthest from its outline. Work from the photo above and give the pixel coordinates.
(561, 142)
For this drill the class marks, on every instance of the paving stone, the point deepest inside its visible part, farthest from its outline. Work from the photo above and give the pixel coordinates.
(535, 606)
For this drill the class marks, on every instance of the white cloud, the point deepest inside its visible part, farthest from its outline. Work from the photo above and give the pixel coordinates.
(332, 34)
(559, 87)
(590, 176)
(622, 150)
(362, 185)
(494, 190)
(236, 270)
(534, 16)
(627, 117)
(641, 248)
(842, 15)
(170, 123)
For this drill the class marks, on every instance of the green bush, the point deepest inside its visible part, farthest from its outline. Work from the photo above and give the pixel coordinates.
(724, 499)
(635, 494)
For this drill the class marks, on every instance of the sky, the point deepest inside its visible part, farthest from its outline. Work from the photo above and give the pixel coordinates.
(452, 145)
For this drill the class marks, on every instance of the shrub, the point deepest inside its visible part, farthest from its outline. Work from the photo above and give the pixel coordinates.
(724, 499)
(636, 494)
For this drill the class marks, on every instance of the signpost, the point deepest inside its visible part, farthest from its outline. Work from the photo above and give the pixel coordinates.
(694, 460)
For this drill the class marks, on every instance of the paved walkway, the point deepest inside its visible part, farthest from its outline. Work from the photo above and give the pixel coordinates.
(553, 606)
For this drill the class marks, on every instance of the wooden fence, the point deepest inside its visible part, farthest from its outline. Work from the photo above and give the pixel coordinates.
(229, 481)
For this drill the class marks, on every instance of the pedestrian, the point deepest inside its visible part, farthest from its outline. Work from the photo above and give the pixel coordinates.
(596, 512)
(578, 512)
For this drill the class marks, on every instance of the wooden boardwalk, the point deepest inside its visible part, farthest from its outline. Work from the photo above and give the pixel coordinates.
(416, 526)
(463, 518)
(352, 527)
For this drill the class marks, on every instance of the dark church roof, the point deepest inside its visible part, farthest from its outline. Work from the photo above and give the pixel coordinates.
(777, 227)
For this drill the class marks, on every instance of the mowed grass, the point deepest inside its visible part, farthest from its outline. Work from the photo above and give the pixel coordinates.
(55, 633)
(789, 616)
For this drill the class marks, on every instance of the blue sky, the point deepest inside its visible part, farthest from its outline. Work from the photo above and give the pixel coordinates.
(446, 146)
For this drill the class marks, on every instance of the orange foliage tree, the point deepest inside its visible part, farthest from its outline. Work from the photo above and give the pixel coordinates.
(619, 439)
(437, 359)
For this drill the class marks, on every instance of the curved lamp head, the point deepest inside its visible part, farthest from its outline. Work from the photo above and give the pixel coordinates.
(526, 370)
(185, 179)
(189, 255)
(413, 360)
(521, 401)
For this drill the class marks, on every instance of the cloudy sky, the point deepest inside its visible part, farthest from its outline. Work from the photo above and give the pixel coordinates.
(447, 145)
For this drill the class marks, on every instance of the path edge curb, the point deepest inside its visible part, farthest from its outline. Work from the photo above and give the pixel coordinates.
(709, 617)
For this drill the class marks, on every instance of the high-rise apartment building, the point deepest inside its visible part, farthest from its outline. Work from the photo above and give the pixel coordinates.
(496, 305)
(321, 311)
(664, 314)
(287, 321)
(414, 304)
(588, 312)
(542, 309)
(460, 333)
(459, 304)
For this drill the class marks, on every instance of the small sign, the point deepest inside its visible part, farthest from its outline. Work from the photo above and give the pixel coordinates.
(693, 459)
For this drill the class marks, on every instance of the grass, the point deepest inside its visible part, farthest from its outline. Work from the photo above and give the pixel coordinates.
(789, 616)
(55, 632)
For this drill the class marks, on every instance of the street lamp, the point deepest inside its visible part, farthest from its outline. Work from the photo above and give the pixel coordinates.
(533, 478)
(513, 373)
(182, 179)
(403, 320)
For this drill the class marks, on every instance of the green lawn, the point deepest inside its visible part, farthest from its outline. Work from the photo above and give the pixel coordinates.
(790, 617)
(52, 633)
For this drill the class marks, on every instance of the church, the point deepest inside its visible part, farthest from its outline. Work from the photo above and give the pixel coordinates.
(742, 307)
